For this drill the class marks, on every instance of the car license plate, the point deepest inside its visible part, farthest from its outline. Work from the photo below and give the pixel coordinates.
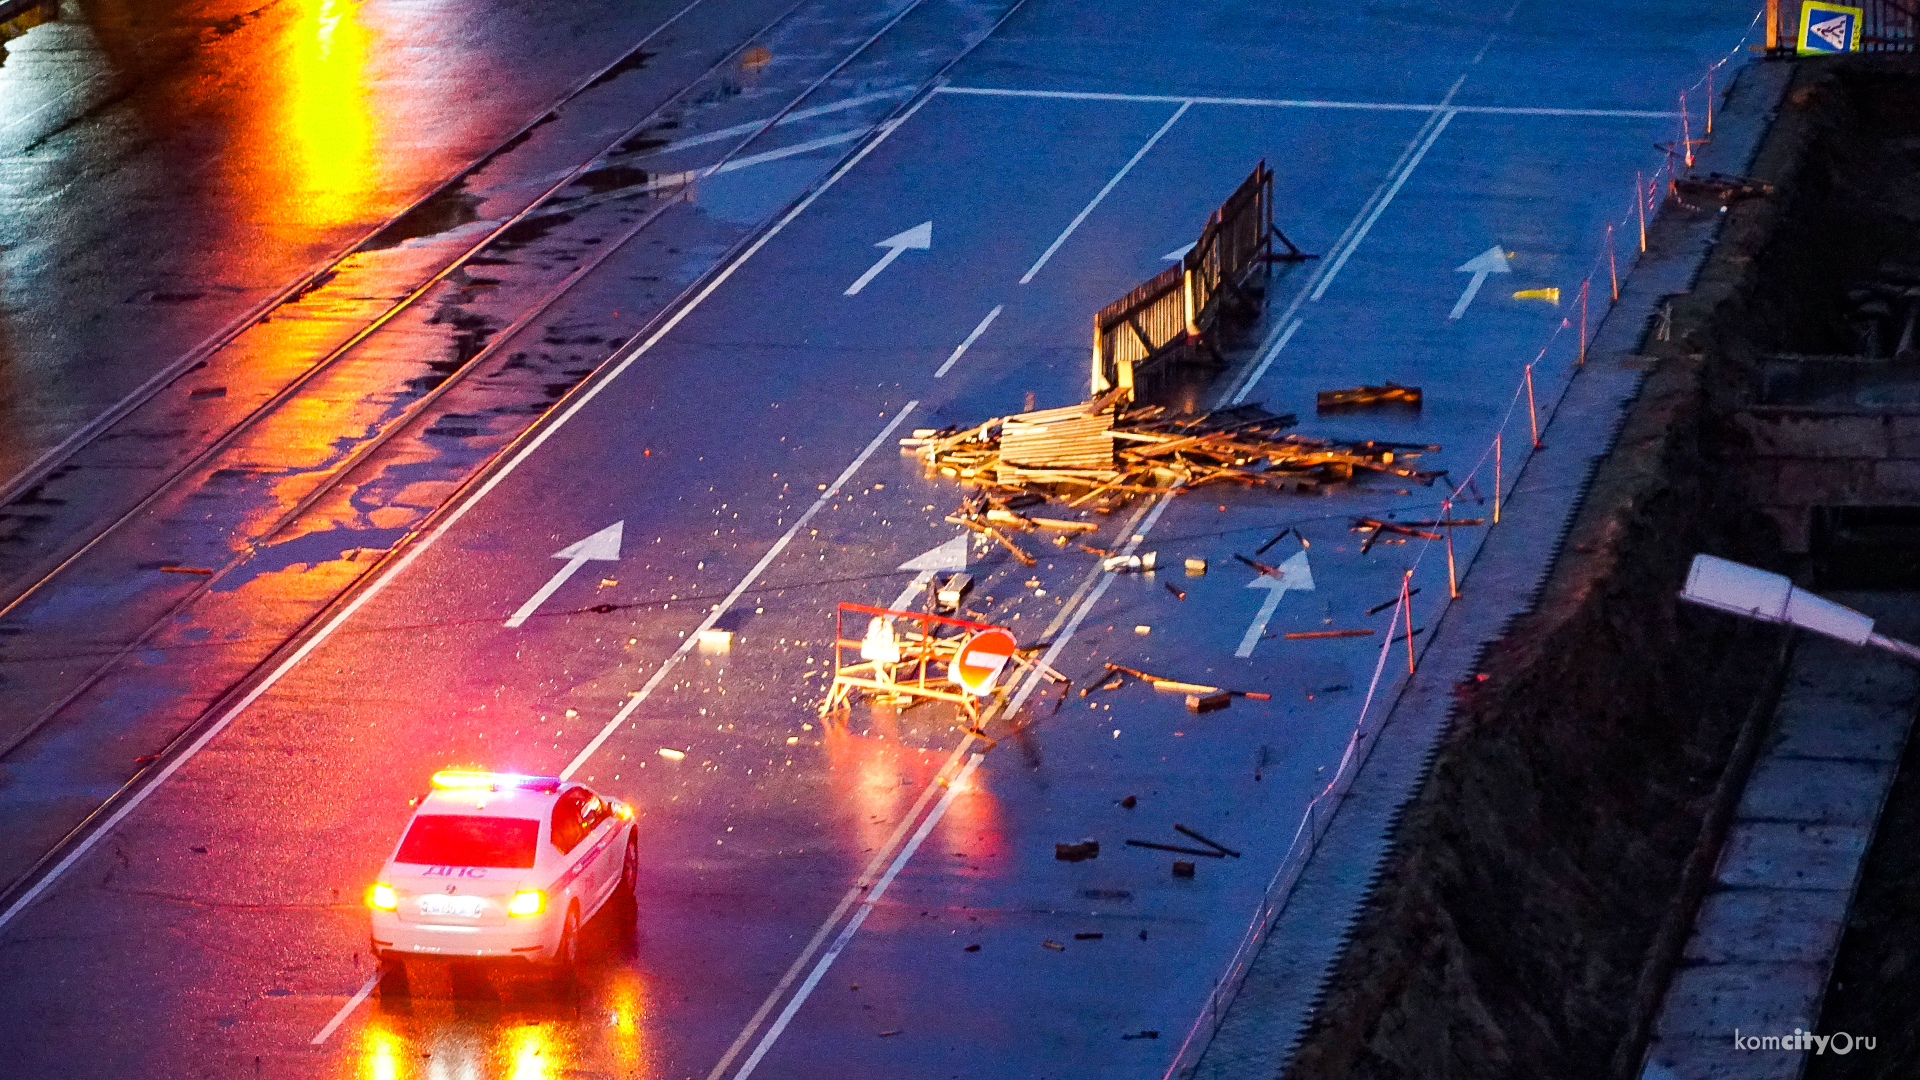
(466, 907)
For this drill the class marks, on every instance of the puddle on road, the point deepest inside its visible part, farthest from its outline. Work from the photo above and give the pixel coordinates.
(442, 212)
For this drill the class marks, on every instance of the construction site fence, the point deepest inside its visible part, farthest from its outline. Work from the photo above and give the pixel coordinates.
(1888, 26)
(1176, 307)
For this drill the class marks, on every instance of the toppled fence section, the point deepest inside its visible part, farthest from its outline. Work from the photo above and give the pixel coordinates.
(1172, 316)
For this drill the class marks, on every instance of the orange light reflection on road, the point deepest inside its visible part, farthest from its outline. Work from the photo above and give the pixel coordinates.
(326, 121)
(382, 1054)
(530, 1052)
(627, 1006)
(866, 773)
(974, 823)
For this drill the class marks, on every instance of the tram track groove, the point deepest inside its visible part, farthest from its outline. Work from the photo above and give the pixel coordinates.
(17, 594)
(55, 456)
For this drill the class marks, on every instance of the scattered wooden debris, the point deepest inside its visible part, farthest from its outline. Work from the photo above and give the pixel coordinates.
(1080, 852)
(1177, 687)
(1721, 186)
(1277, 537)
(1177, 849)
(1303, 635)
(1380, 607)
(1184, 831)
(1367, 397)
(1148, 450)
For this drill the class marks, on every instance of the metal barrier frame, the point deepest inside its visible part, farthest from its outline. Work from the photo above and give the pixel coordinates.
(913, 674)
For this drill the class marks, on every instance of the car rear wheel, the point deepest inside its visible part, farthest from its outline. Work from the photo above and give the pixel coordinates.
(393, 977)
(566, 955)
(629, 875)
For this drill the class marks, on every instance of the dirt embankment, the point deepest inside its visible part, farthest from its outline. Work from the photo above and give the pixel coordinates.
(1544, 877)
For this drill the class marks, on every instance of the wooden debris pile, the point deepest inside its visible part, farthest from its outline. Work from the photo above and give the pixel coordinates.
(1152, 449)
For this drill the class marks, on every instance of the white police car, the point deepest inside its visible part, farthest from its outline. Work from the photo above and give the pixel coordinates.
(500, 865)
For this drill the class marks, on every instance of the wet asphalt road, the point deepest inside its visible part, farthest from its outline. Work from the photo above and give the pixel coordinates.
(749, 452)
(166, 167)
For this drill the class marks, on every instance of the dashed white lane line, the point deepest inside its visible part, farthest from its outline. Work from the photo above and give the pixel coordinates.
(713, 616)
(1362, 219)
(961, 349)
(353, 1003)
(853, 925)
(1111, 184)
(426, 542)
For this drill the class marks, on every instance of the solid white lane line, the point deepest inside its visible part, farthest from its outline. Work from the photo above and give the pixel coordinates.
(1074, 611)
(1266, 360)
(853, 925)
(1309, 103)
(426, 542)
(852, 896)
(1444, 117)
(971, 338)
(780, 545)
(755, 125)
(1111, 184)
(353, 1003)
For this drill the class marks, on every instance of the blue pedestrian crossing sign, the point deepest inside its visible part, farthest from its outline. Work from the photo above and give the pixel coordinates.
(1828, 28)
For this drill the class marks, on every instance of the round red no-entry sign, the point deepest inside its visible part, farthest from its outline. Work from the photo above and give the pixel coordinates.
(977, 666)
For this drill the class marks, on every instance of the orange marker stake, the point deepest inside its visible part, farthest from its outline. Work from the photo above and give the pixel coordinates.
(1640, 203)
(1613, 265)
(1583, 323)
(1453, 581)
(1496, 477)
(1533, 418)
(1406, 605)
(1709, 101)
(1686, 130)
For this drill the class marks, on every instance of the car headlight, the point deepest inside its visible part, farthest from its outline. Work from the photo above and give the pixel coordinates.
(382, 897)
(527, 902)
(623, 811)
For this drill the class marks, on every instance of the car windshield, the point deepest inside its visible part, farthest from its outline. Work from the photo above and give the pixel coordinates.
(468, 840)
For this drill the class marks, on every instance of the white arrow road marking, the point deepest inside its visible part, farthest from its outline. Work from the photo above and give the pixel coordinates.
(1491, 261)
(951, 555)
(1294, 574)
(1178, 253)
(603, 545)
(919, 238)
